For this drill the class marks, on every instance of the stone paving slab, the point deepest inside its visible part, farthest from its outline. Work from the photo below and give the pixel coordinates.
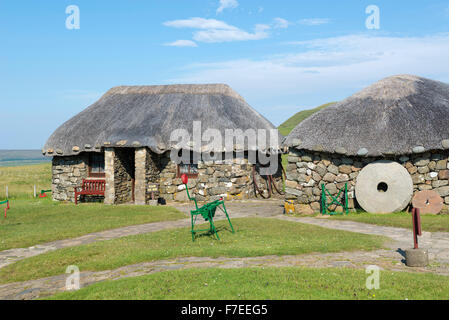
(385, 259)
(235, 209)
(437, 243)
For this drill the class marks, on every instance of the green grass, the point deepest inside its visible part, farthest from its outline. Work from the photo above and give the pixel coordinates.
(254, 237)
(30, 222)
(266, 283)
(431, 223)
(286, 127)
(21, 179)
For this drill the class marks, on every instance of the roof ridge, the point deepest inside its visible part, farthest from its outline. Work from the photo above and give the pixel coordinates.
(197, 89)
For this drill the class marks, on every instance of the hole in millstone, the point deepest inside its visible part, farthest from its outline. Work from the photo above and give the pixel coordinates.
(382, 187)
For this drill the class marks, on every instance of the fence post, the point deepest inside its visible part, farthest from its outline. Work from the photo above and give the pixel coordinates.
(6, 192)
(35, 191)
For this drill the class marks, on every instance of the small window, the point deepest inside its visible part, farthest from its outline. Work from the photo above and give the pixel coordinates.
(191, 170)
(96, 165)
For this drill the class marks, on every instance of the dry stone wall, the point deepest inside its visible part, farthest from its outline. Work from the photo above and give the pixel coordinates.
(215, 180)
(308, 171)
(68, 173)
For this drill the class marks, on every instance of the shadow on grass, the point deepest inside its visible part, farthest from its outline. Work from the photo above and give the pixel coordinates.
(210, 234)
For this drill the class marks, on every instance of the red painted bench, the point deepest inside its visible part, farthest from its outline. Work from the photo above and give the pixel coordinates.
(90, 187)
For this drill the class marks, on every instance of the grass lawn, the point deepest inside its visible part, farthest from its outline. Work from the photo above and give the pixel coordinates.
(266, 283)
(254, 237)
(30, 222)
(432, 223)
(286, 127)
(21, 179)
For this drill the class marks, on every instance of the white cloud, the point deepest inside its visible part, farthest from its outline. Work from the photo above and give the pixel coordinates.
(199, 23)
(325, 69)
(217, 35)
(182, 43)
(213, 31)
(227, 4)
(280, 23)
(314, 21)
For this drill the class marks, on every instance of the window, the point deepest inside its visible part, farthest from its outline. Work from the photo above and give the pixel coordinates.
(96, 165)
(191, 170)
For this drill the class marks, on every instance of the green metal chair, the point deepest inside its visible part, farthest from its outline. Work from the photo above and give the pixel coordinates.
(334, 201)
(207, 212)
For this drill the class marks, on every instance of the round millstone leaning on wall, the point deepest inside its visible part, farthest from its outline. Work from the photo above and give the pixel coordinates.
(307, 171)
(384, 187)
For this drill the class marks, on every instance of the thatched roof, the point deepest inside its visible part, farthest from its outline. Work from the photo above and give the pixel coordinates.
(398, 115)
(138, 116)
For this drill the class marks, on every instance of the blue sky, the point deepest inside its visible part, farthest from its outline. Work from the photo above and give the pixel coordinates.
(281, 56)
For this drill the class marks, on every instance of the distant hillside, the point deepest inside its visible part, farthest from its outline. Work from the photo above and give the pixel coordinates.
(291, 123)
(21, 157)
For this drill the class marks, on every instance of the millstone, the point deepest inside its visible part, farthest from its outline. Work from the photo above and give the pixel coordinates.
(384, 187)
(428, 201)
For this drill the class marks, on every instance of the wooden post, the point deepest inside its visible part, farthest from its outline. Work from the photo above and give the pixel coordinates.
(35, 191)
(416, 219)
(6, 192)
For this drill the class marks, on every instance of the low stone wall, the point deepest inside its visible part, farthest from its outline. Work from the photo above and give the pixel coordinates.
(307, 171)
(68, 173)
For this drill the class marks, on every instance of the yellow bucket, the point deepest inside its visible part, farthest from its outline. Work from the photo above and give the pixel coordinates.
(289, 207)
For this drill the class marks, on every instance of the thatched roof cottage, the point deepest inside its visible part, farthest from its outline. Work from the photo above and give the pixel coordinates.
(125, 138)
(403, 119)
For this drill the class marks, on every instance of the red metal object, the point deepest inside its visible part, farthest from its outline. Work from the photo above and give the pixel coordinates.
(184, 179)
(42, 195)
(416, 219)
(428, 201)
(91, 187)
(7, 207)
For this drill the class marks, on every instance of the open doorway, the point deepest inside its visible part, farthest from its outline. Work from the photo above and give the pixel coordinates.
(124, 175)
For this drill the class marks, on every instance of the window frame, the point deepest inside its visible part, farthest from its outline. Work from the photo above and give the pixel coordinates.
(90, 161)
(189, 174)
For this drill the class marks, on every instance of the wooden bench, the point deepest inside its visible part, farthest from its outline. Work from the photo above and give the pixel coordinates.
(90, 187)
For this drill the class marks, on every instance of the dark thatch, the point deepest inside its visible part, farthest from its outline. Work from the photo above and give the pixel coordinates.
(398, 115)
(146, 116)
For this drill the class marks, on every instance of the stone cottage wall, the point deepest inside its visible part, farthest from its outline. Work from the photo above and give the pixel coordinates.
(68, 173)
(307, 171)
(215, 180)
